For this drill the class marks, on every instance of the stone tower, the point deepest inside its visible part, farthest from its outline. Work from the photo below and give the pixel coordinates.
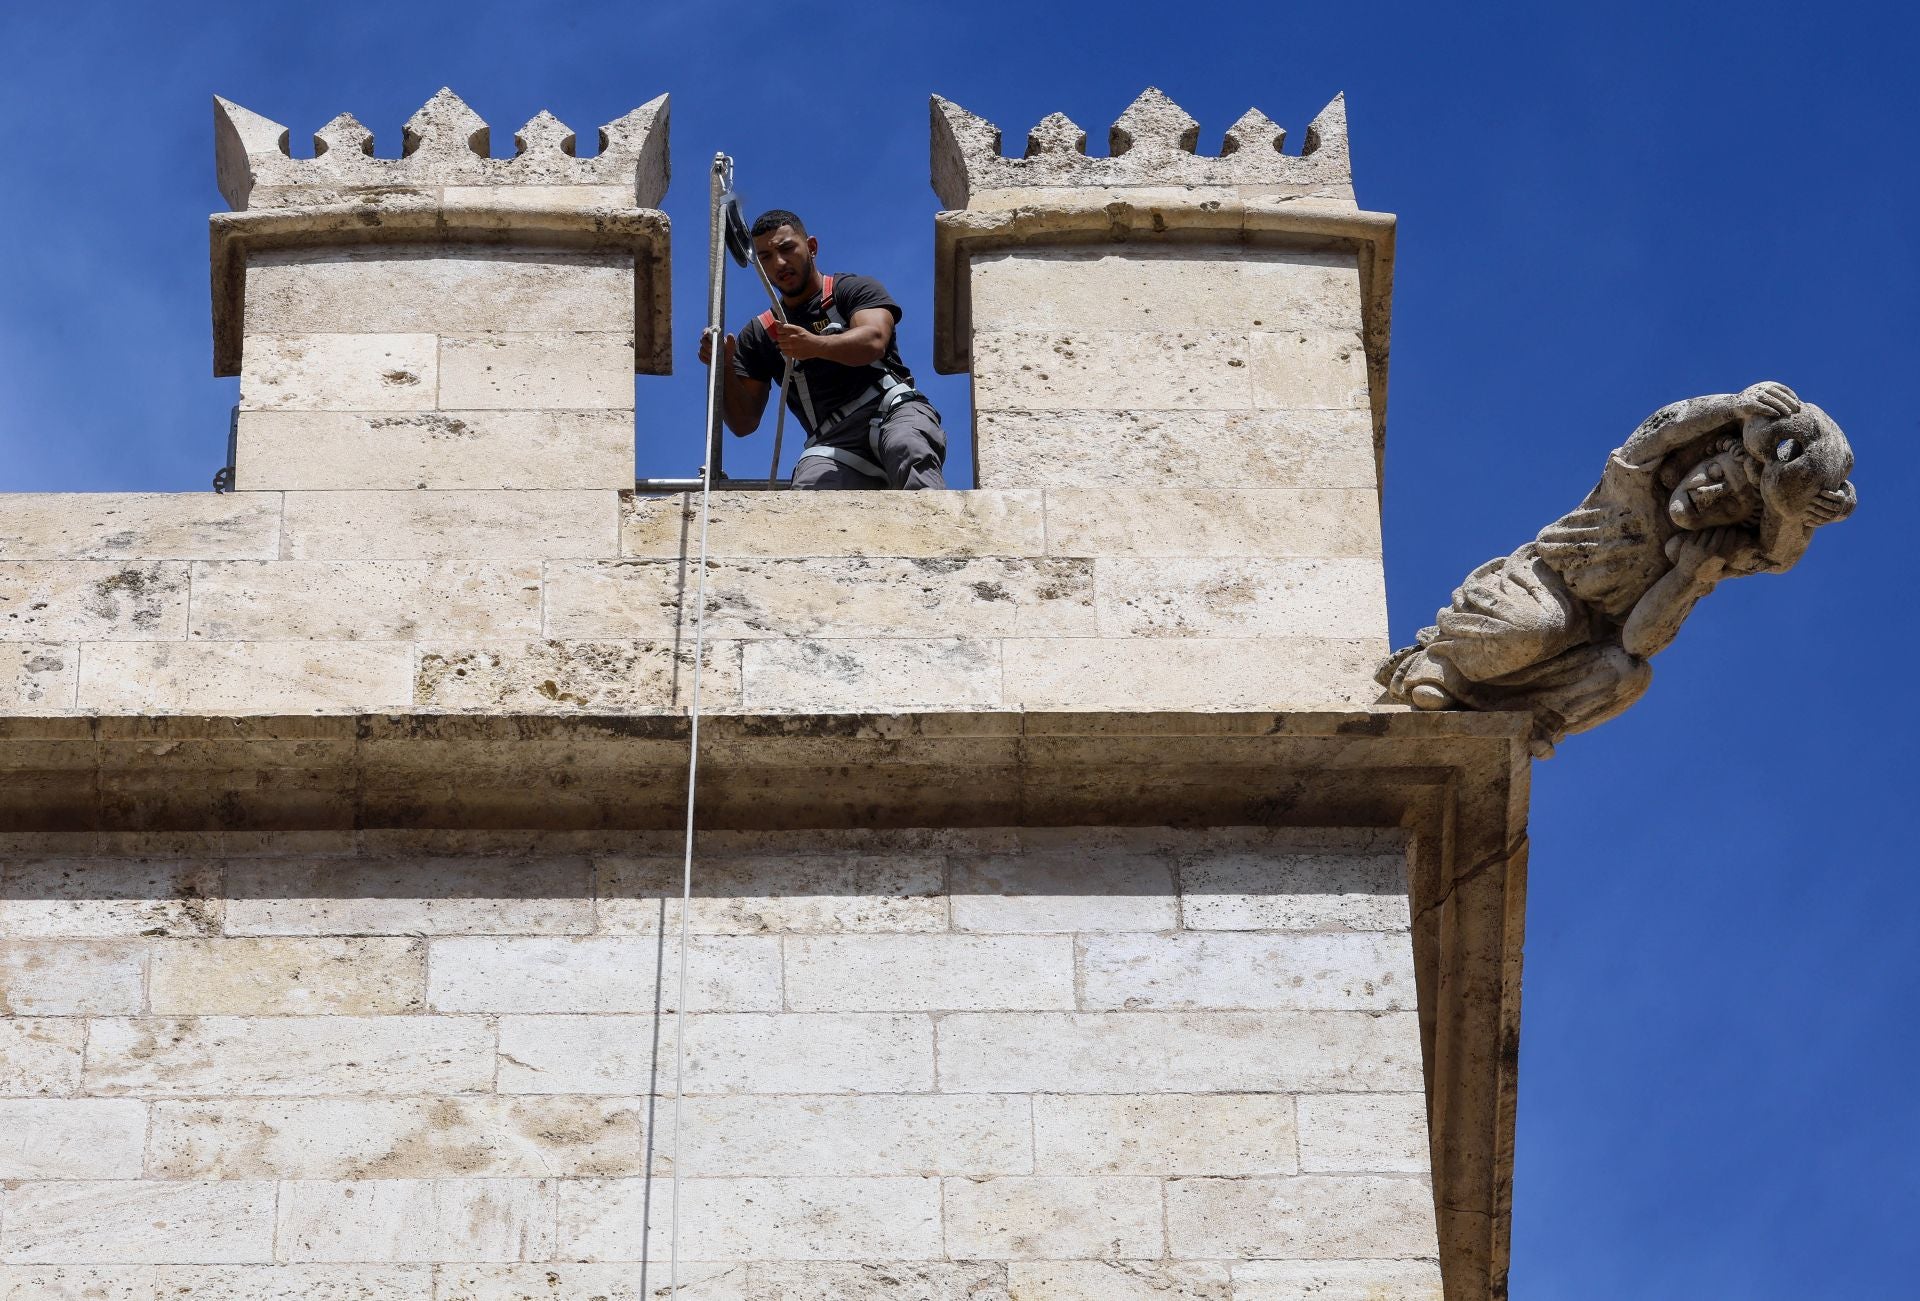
(1070, 920)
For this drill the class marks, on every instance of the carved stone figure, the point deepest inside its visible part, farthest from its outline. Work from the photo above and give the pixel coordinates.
(1707, 489)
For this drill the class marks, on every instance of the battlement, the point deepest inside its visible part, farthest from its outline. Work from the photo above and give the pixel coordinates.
(445, 144)
(1153, 143)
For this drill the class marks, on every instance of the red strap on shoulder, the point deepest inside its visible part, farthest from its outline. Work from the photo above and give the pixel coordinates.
(826, 292)
(766, 321)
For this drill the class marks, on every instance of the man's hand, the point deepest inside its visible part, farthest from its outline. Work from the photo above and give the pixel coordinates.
(1767, 400)
(1713, 554)
(796, 342)
(706, 348)
(1833, 504)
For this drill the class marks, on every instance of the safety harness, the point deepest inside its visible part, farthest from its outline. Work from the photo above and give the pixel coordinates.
(888, 391)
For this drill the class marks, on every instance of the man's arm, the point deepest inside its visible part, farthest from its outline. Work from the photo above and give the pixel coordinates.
(862, 343)
(743, 401)
(1673, 427)
(1700, 562)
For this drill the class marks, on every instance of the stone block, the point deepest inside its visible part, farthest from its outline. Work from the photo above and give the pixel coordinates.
(399, 1138)
(1113, 370)
(92, 600)
(231, 1056)
(340, 372)
(1234, 673)
(726, 973)
(132, 1222)
(928, 973)
(214, 1282)
(291, 677)
(72, 977)
(1165, 1134)
(1174, 449)
(71, 1138)
(1169, 287)
(408, 525)
(1306, 1217)
(626, 1281)
(1337, 1280)
(758, 894)
(867, 674)
(1309, 370)
(417, 1220)
(40, 1056)
(1294, 892)
(1178, 1052)
(547, 677)
(946, 525)
(939, 1134)
(537, 198)
(833, 597)
(1172, 522)
(1359, 971)
(1118, 1280)
(1291, 597)
(536, 372)
(38, 677)
(509, 895)
(288, 977)
(365, 600)
(1371, 1133)
(436, 290)
(143, 526)
(758, 1054)
(757, 1219)
(106, 897)
(472, 451)
(1063, 890)
(830, 1280)
(1053, 1218)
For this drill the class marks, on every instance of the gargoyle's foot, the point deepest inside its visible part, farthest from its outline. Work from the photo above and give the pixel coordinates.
(1430, 695)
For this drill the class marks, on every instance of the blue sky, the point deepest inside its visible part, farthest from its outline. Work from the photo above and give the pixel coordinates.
(1602, 209)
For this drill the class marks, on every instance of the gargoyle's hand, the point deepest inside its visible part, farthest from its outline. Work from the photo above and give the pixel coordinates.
(1767, 400)
(1833, 504)
(1713, 554)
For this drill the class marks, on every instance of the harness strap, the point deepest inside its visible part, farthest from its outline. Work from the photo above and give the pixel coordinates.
(842, 455)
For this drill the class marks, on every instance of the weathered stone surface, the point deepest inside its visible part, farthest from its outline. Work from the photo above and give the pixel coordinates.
(522, 371)
(1178, 1052)
(461, 290)
(1053, 1219)
(144, 526)
(746, 895)
(1171, 522)
(123, 1221)
(1117, 1280)
(1063, 890)
(870, 674)
(758, 1219)
(417, 1219)
(1177, 287)
(1303, 892)
(1174, 449)
(728, 973)
(1187, 673)
(105, 897)
(1308, 1216)
(246, 677)
(1002, 522)
(444, 450)
(1374, 1133)
(72, 977)
(1165, 1134)
(1129, 370)
(851, 1281)
(928, 973)
(1359, 971)
(288, 977)
(340, 372)
(399, 1138)
(1337, 1280)
(416, 896)
(38, 677)
(788, 1053)
(40, 1056)
(214, 1282)
(451, 525)
(568, 676)
(364, 600)
(1308, 370)
(924, 1135)
(252, 1056)
(625, 1281)
(71, 1138)
(92, 601)
(1330, 598)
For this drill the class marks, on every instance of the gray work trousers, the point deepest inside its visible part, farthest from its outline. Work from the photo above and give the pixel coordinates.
(912, 448)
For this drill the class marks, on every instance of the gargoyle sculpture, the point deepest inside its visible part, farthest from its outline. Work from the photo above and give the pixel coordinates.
(1707, 489)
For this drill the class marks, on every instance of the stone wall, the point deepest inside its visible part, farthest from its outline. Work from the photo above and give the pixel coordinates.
(1060, 1064)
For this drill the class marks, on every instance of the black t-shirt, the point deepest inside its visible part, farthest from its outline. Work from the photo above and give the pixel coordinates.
(829, 384)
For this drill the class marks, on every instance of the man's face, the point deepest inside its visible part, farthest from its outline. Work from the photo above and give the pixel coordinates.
(787, 257)
(1718, 491)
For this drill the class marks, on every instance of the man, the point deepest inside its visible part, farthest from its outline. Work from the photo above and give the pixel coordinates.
(866, 425)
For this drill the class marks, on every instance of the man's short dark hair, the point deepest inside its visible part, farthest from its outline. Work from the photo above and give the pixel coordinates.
(773, 219)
